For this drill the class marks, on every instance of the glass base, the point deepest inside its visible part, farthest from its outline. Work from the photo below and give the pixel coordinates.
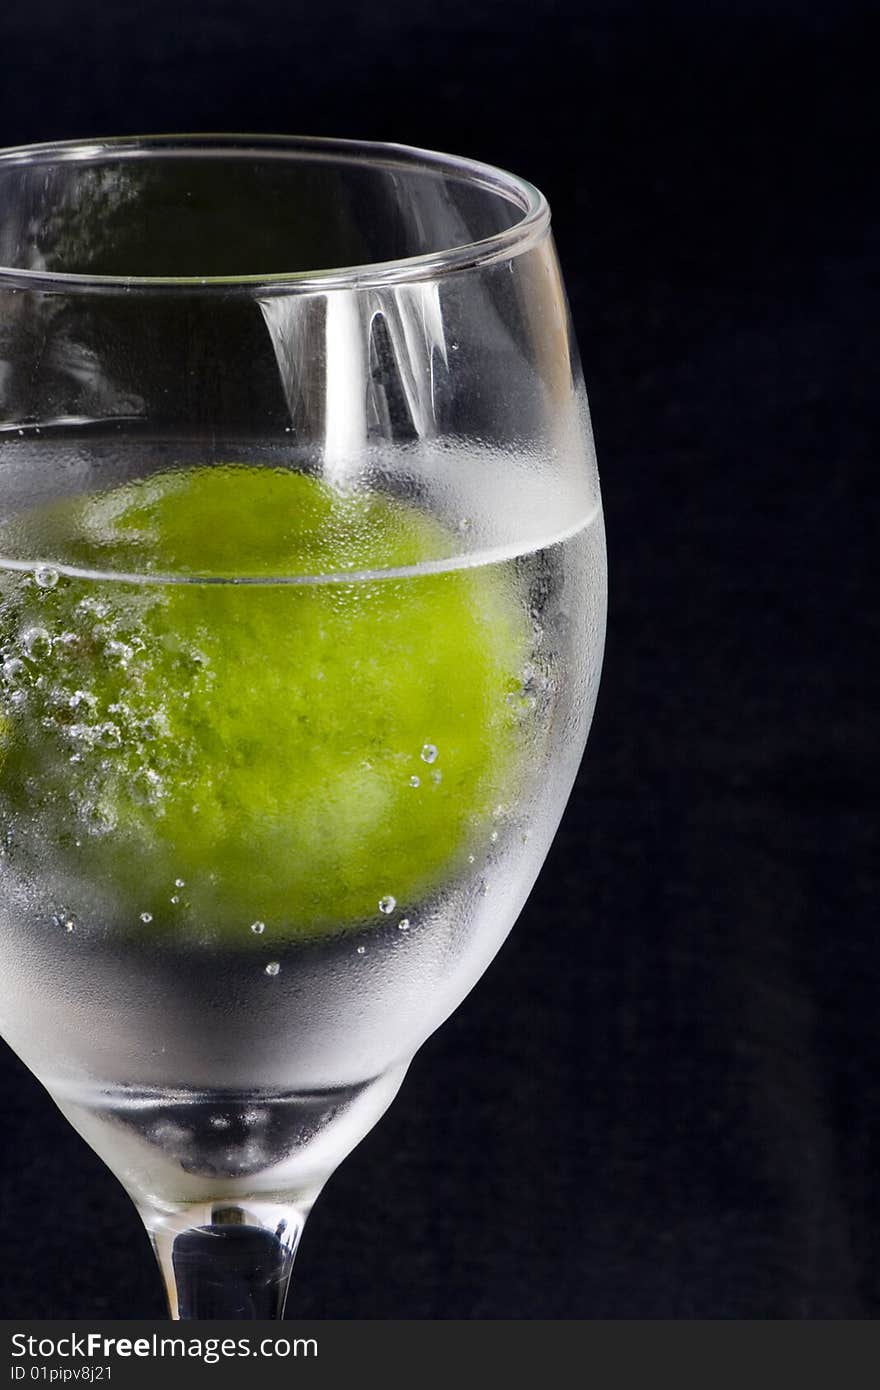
(226, 1260)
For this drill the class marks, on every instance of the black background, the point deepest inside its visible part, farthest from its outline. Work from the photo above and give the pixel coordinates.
(663, 1099)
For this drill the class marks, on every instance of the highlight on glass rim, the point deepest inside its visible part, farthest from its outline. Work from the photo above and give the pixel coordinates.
(302, 606)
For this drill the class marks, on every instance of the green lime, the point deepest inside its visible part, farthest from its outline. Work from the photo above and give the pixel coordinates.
(221, 755)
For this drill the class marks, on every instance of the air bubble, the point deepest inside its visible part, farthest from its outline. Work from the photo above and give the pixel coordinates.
(82, 697)
(121, 650)
(494, 837)
(147, 784)
(91, 606)
(99, 819)
(472, 859)
(362, 950)
(65, 920)
(415, 781)
(387, 904)
(36, 642)
(429, 753)
(403, 924)
(175, 898)
(179, 883)
(436, 776)
(146, 918)
(273, 967)
(108, 736)
(258, 928)
(13, 668)
(46, 577)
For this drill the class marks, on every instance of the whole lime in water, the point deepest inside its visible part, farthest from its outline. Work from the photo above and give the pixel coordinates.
(308, 727)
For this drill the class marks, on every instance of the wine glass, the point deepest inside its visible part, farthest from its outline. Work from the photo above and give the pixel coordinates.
(302, 604)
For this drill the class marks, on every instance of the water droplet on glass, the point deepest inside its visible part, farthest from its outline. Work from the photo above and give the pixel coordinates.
(415, 781)
(13, 668)
(46, 577)
(108, 736)
(273, 967)
(494, 837)
(403, 924)
(362, 950)
(179, 883)
(429, 753)
(146, 918)
(258, 928)
(436, 776)
(387, 904)
(36, 642)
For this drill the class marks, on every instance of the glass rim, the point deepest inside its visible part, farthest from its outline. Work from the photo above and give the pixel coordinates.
(503, 245)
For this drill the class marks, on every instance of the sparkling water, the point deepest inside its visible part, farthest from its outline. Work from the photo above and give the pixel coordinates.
(205, 1067)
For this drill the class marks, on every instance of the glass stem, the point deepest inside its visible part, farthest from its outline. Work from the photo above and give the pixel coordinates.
(226, 1259)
